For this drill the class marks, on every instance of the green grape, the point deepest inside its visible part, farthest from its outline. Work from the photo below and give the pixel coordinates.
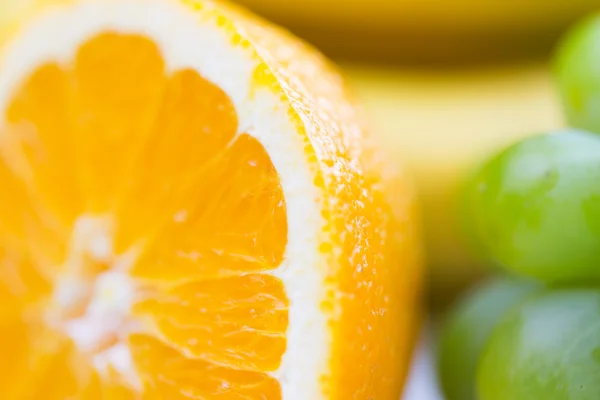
(535, 208)
(578, 75)
(467, 329)
(546, 348)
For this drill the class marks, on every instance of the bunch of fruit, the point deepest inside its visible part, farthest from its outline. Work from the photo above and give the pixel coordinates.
(533, 211)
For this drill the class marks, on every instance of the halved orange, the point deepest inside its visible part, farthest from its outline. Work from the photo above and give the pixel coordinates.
(192, 209)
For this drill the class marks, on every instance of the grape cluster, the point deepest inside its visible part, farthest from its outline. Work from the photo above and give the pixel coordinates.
(533, 211)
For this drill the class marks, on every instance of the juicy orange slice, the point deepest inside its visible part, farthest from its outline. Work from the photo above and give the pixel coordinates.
(191, 209)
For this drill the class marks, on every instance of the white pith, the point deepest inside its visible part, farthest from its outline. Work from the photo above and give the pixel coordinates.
(93, 308)
(106, 315)
(188, 40)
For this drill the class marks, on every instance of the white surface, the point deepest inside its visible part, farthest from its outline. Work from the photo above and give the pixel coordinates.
(422, 383)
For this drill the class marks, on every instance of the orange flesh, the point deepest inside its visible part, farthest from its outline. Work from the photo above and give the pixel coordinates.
(149, 164)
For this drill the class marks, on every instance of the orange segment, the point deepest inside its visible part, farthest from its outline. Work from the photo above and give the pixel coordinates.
(27, 229)
(232, 221)
(103, 388)
(21, 285)
(115, 392)
(15, 207)
(36, 145)
(14, 348)
(235, 322)
(45, 365)
(169, 375)
(117, 86)
(193, 111)
(52, 371)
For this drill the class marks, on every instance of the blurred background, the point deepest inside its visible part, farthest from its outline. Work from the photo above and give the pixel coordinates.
(445, 83)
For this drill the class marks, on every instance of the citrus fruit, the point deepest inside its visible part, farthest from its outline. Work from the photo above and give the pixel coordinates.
(193, 209)
(442, 124)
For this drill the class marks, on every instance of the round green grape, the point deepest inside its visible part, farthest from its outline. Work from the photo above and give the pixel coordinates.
(535, 208)
(546, 348)
(467, 330)
(578, 75)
